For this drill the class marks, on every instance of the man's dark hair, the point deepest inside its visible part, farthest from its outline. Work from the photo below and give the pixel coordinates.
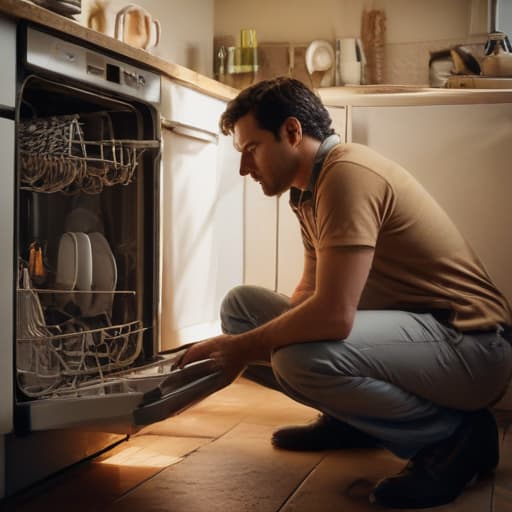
(273, 101)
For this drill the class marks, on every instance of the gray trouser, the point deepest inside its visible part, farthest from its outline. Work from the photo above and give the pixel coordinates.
(401, 377)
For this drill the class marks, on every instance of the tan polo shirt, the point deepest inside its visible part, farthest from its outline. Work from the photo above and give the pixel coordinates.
(421, 261)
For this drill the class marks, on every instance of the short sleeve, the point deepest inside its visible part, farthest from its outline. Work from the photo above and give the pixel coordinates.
(351, 203)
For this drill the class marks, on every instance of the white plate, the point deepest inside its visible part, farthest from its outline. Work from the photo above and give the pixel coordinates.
(319, 56)
(67, 262)
(84, 272)
(104, 274)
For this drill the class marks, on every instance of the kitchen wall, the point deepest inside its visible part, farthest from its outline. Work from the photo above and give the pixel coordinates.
(187, 29)
(414, 27)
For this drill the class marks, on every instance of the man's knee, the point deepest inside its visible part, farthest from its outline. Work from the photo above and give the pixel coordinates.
(294, 365)
(232, 310)
(306, 367)
(231, 301)
(247, 306)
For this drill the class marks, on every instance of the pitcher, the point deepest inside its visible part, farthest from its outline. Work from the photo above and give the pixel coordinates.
(136, 27)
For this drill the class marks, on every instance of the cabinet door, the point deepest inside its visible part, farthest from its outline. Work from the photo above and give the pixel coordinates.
(6, 280)
(8, 60)
(462, 155)
(260, 236)
(228, 220)
(189, 255)
(339, 122)
(290, 254)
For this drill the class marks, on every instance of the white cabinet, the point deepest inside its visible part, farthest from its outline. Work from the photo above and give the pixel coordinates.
(8, 60)
(202, 211)
(462, 155)
(290, 254)
(6, 286)
(7, 101)
(260, 236)
(228, 220)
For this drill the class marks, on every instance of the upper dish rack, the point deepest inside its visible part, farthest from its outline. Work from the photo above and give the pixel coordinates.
(55, 157)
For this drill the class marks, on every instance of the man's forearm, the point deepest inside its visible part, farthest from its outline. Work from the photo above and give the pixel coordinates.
(308, 321)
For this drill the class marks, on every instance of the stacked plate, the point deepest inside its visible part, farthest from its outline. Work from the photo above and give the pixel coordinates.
(85, 264)
(65, 7)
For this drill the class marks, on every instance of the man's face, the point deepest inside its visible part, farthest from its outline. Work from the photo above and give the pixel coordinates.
(272, 163)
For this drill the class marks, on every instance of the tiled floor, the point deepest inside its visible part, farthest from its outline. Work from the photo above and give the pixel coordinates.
(217, 457)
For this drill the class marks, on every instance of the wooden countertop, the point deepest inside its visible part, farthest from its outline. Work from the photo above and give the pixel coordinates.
(404, 95)
(24, 10)
(368, 95)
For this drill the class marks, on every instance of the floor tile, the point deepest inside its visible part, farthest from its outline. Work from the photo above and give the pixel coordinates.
(99, 482)
(217, 456)
(344, 479)
(503, 479)
(239, 472)
(244, 400)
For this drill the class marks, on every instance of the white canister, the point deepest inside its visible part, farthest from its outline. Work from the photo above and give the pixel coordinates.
(349, 61)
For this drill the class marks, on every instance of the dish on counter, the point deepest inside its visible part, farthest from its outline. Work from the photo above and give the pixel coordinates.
(319, 56)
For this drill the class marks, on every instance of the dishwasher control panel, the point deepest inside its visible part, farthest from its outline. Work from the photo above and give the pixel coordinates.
(70, 60)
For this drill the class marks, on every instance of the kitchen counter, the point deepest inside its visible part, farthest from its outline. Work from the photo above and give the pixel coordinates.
(403, 95)
(24, 10)
(367, 95)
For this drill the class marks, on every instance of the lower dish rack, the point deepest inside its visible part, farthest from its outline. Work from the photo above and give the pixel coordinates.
(61, 358)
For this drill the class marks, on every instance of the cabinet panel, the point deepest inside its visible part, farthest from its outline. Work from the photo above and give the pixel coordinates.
(202, 216)
(189, 259)
(462, 155)
(260, 238)
(339, 122)
(228, 220)
(290, 255)
(8, 60)
(6, 280)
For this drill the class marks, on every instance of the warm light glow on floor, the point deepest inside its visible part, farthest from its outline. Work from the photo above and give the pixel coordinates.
(135, 456)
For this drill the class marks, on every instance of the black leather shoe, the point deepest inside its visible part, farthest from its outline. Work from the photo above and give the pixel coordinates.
(439, 473)
(326, 433)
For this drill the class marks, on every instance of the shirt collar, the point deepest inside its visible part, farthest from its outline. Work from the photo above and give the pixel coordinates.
(296, 194)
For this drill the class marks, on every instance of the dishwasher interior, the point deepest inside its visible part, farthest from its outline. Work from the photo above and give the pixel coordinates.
(85, 240)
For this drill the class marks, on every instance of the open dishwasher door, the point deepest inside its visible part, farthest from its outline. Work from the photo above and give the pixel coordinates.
(126, 402)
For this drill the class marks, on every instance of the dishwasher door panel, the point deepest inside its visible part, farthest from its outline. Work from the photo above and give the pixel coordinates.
(126, 402)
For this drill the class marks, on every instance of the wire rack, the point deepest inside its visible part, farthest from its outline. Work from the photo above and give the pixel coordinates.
(57, 363)
(59, 359)
(55, 157)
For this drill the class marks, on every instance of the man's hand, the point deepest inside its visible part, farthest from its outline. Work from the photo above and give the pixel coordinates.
(225, 349)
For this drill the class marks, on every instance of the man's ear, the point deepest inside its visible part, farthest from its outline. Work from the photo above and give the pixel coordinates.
(293, 130)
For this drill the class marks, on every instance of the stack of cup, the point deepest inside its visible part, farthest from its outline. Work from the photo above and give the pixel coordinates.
(249, 50)
(349, 61)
